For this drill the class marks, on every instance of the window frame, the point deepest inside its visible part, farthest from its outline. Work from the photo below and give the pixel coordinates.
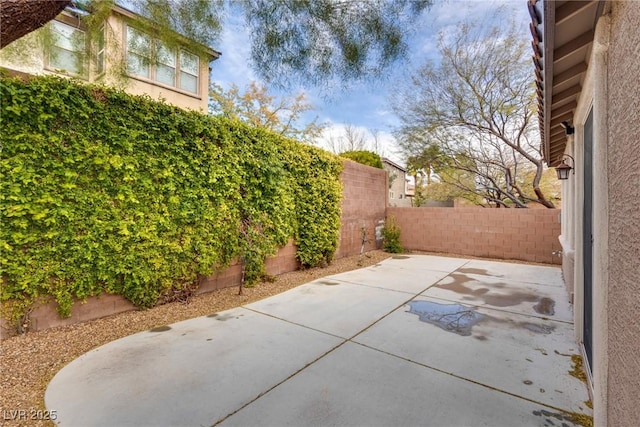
(81, 53)
(154, 63)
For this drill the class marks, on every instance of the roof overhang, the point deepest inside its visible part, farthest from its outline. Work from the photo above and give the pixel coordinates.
(563, 34)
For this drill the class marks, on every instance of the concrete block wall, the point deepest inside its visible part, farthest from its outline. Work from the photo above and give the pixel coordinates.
(519, 234)
(364, 204)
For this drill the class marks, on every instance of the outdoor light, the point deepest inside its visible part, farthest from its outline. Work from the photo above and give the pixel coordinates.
(568, 129)
(563, 169)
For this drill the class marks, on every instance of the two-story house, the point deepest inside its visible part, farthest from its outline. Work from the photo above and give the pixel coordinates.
(123, 53)
(397, 184)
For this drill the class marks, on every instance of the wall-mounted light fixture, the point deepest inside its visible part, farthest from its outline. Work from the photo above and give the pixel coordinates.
(563, 169)
(568, 129)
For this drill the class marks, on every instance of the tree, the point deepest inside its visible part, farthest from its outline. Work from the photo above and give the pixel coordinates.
(478, 106)
(308, 41)
(258, 108)
(20, 17)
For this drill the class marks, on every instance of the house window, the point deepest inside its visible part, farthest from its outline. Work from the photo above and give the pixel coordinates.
(138, 51)
(166, 68)
(189, 66)
(170, 67)
(67, 51)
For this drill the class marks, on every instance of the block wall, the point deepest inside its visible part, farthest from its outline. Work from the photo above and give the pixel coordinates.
(519, 234)
(364, 204)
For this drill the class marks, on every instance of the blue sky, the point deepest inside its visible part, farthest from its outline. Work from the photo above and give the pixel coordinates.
(364, 106)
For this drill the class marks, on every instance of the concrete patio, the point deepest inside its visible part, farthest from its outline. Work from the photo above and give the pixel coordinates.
(415, 340)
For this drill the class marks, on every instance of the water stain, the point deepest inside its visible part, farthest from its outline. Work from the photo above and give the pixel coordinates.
(545, 306)
(213, 315)
(400, 257)
(160, 328)
(508, 299)
(538, 329)
(562, 419)
(480, 337)
(454, 318)
(226, 317)
(528, 382)
(328, 283)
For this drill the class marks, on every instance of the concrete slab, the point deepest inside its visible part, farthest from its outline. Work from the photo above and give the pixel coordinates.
(392, 277)
(425, 262)
(504, 294)
(359, 348)
(523, 355)
(193, 374)
(331, 306)
(527, 273)
(359, 386)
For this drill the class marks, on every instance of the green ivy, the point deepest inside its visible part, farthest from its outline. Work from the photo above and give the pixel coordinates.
(102, 191)
(365, 157)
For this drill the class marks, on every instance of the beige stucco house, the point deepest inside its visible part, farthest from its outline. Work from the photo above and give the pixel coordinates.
(397, 184)
(121, 54)
(587, 59)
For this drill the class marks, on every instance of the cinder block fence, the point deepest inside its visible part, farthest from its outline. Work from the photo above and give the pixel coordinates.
(519, 234)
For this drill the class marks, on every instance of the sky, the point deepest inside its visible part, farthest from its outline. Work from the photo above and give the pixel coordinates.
(364, 106)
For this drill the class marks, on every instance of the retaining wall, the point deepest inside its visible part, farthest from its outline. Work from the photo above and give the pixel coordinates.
(519, 234)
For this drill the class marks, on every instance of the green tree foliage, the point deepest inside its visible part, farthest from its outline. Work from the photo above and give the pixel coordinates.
(311, 41)
(477, 103)
(106, 192)
(257, 107)
(368, 158)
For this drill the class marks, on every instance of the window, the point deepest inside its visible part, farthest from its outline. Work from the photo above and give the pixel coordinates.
(189, 66)
(138, 51)
(166, 68)
(179, 69)
(67, 49)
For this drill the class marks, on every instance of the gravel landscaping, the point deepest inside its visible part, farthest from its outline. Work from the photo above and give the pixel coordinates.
(31, 360)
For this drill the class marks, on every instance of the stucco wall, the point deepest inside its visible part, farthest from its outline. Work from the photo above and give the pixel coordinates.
(624, 216)
(521, 234)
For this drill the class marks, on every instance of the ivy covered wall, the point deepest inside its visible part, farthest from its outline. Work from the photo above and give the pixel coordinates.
(105, 192)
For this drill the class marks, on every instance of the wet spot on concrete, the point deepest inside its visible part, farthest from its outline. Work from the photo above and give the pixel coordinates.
(209, 339)
(213, 315)
(455, 318)
(528, 382)
(538, 329)
(557, 418)
(400, 257)
(160, 328)
(545, 306)
(480, 337)
(328, 283)
(506, 299)
(226, 317)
